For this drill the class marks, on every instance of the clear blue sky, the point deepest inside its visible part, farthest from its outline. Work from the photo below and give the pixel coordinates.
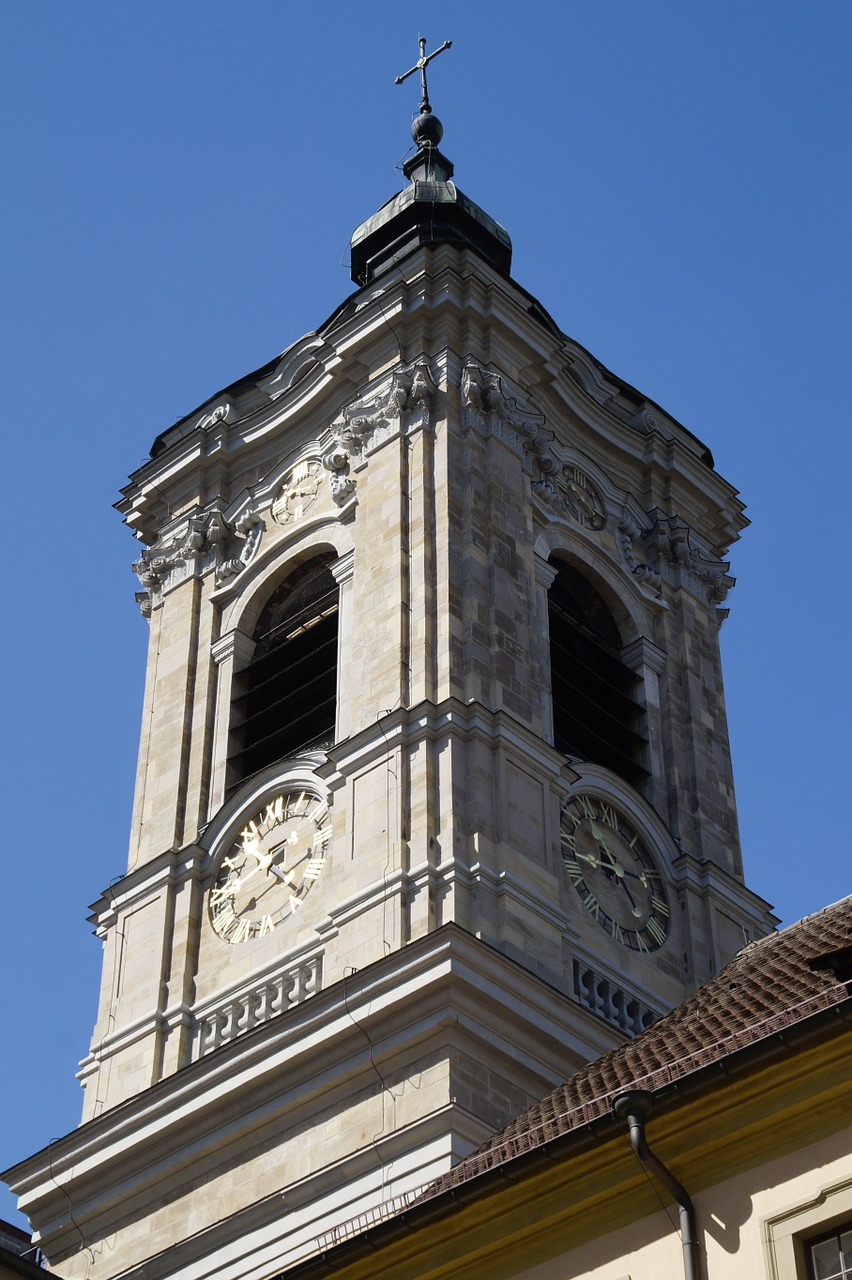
(182, 181)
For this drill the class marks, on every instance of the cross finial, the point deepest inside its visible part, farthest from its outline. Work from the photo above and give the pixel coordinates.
(420, 65)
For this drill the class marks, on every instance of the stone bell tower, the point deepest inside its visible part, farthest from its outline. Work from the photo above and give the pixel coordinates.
(434, 798)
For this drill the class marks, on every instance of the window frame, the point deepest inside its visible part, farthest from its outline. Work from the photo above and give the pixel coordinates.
(787, 1236)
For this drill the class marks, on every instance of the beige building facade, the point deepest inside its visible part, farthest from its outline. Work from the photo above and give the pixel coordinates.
(434, 800)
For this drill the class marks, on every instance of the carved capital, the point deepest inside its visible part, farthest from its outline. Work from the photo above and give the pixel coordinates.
(233, 645)
(641, 654)
(403, 404)
(221, 412)
(640, 554)
(488, 406)
(649, 422)
(341, 483)
(546, 468)
(187, 549)
(667, 547)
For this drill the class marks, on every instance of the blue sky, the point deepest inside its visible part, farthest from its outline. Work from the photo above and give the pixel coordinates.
(182, 181)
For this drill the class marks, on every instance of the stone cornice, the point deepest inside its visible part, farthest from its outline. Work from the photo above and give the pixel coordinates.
(448, 977)
(708, 879)
(409, 724)
(565, 379)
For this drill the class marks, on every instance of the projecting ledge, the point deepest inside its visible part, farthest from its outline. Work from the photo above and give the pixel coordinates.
(440, 1000)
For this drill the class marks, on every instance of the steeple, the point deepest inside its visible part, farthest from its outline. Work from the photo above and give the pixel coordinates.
(431, 210)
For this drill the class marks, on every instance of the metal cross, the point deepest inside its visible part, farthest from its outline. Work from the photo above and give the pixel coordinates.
(420, 65)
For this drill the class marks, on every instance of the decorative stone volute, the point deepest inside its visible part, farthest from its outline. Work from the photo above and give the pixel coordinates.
(404, 403)
(187, 548)
(488, 406)
(666, 548)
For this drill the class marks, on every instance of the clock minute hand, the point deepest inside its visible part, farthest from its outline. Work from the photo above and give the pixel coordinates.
(636, 911)
(617, 870)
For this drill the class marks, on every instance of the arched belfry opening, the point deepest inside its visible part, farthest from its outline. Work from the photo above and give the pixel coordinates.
(597, 712)
(286, 698)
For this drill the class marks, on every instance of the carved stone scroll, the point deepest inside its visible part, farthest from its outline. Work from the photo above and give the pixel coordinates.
(487, 404)
(182, 552)
(405, 403)
(250, 528)
(667, 548)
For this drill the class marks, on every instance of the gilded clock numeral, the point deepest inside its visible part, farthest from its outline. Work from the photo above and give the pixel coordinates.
(616, 931)
(641, 944)
(319, 813)
(569, 841)
(227, 922)
(588, 808)
(242, 931)
(572, 866)
(593, 906)
(274, 813)
(662, 908)
(314, 868)
(266, 926)
(656, 931)
(609, 816)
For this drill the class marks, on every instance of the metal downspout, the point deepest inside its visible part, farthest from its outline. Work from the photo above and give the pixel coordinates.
(634, 1108)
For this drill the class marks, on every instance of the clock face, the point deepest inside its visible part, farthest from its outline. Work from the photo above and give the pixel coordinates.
(271, 866)
(583, 499)
(298, 494)
(612, 870)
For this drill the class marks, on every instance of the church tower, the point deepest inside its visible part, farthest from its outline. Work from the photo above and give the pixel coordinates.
(434, 799)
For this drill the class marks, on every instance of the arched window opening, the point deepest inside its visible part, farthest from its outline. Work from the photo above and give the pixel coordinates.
(287, 696)
(596, 712)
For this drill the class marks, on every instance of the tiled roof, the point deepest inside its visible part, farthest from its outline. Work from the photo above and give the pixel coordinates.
(771, 984)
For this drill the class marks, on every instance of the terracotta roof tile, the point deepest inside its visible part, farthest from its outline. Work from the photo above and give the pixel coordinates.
(769, 985)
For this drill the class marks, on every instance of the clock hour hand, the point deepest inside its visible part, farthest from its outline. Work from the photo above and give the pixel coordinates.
(263, 859)
(615, 866)
(282, 875)
(587, 857)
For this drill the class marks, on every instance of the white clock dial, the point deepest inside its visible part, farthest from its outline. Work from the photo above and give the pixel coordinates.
(270, 868)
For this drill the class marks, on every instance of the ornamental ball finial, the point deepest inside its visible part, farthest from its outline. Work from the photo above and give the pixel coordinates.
(427, 130)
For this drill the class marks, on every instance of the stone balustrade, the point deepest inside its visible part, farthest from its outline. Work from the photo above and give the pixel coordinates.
(249, 1008)
(603, 997)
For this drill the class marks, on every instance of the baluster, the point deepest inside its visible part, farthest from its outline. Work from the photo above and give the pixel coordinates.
(618, 1009)
(289, 994)
(228, 1021)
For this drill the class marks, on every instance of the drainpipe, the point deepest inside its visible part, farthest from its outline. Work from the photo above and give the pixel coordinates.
(634, 1107)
